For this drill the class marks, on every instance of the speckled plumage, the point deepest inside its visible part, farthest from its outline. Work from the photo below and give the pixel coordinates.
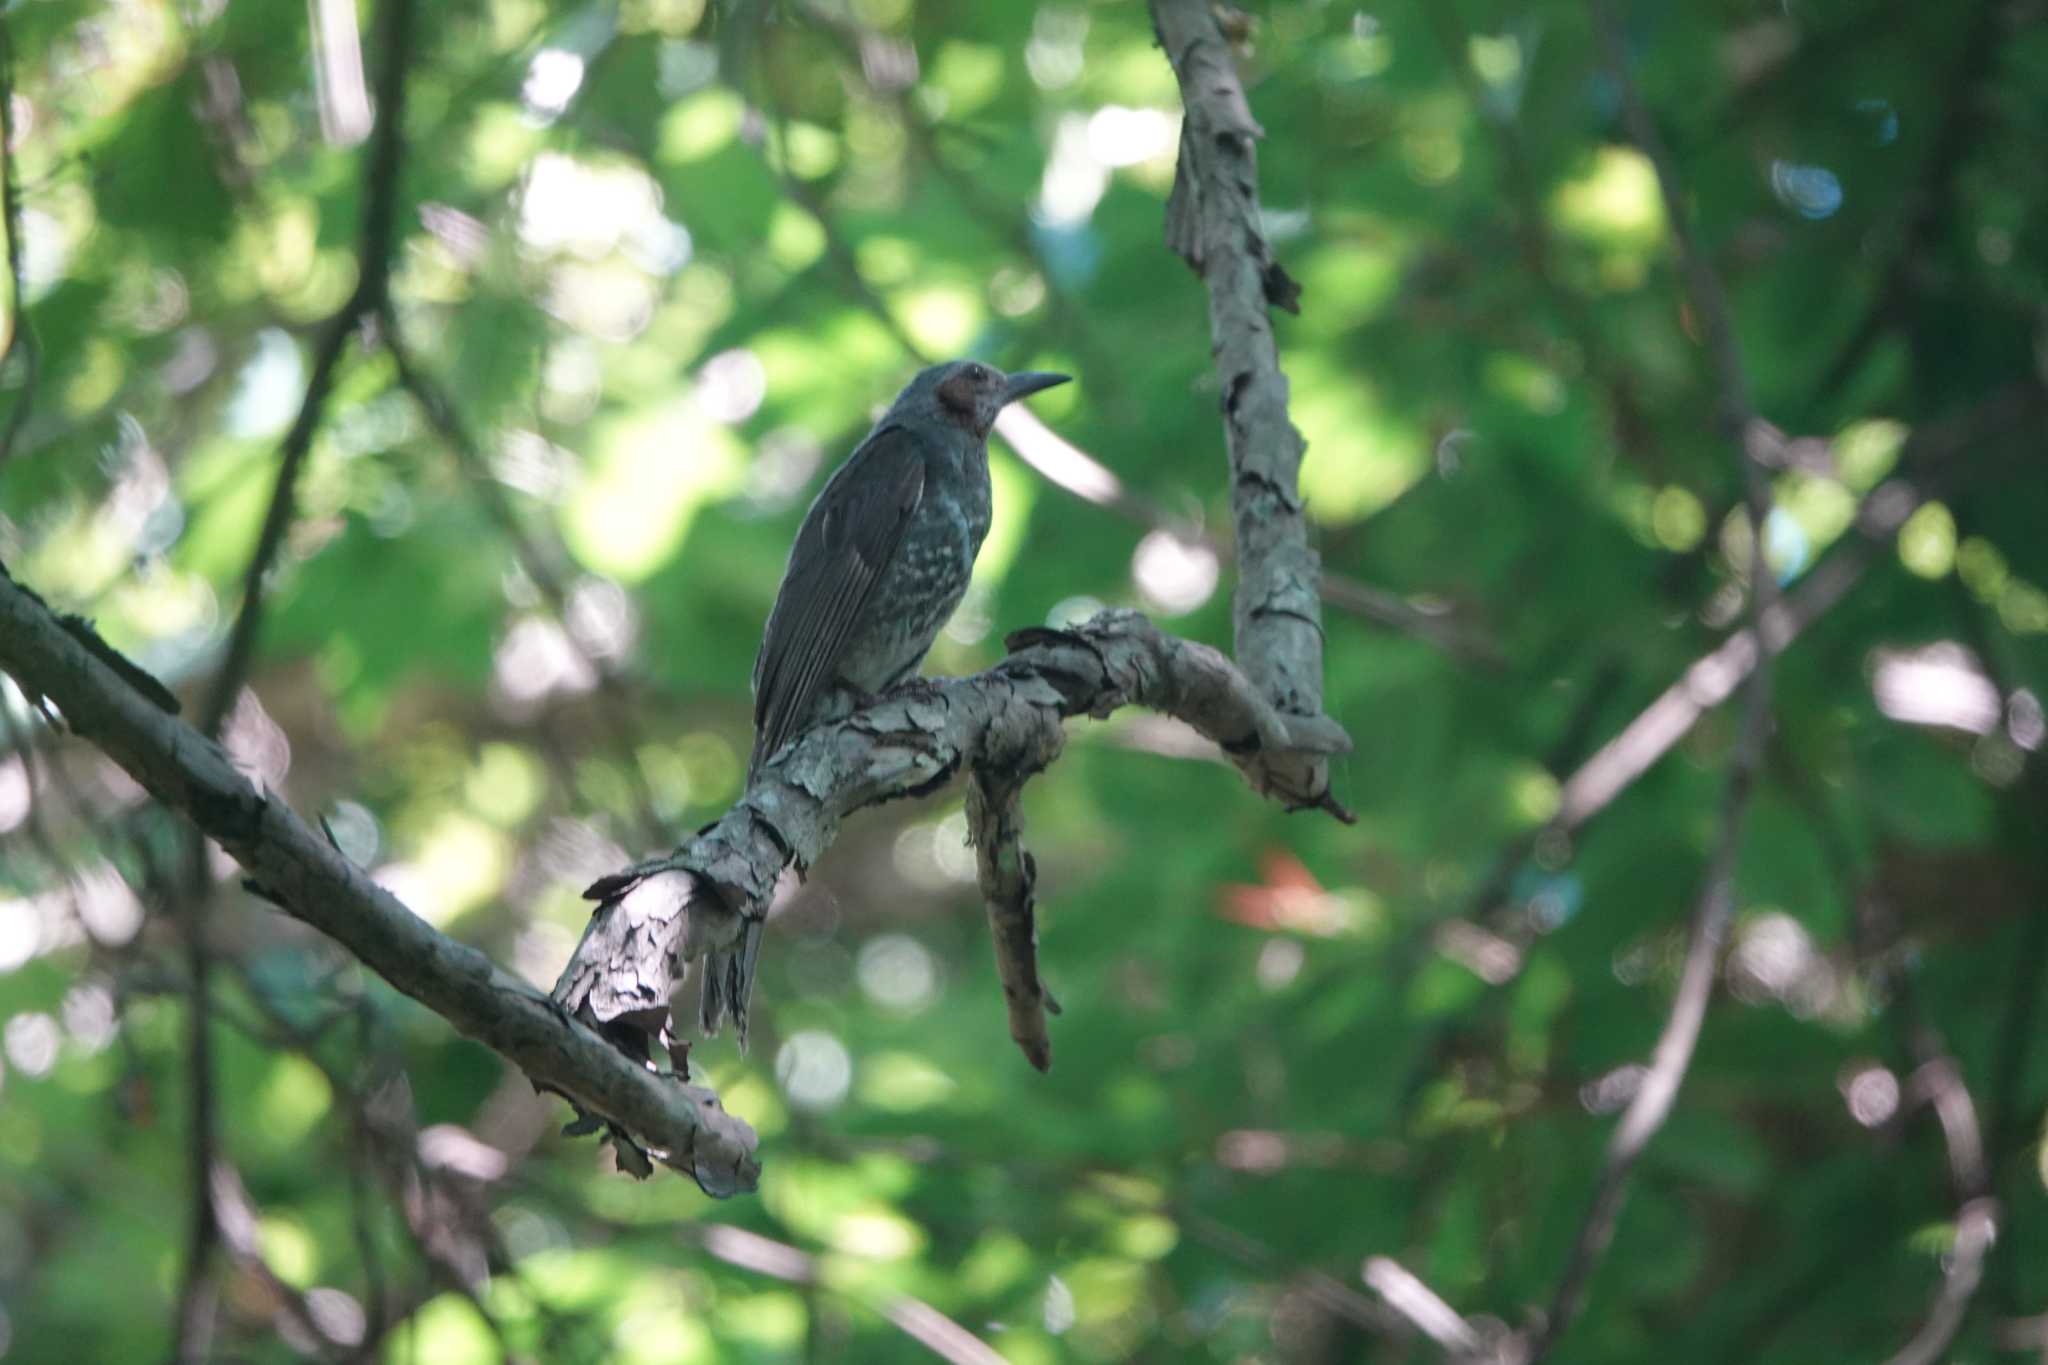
(881, 561)
(926, 578)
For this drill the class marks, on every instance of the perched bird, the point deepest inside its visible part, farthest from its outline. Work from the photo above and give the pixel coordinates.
(879, 564)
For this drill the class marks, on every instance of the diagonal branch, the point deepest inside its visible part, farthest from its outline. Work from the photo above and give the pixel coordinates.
(1929, 463)
(1658, 1089)
(1937, 1081)
(1422, 1307)
(300, 871)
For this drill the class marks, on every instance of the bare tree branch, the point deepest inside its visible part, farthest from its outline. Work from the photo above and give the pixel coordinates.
(1422, 1306)
(660, 915)
(300, 1319)
(1976, 1229)
(1658, 1089)
(1212, 222)
(1928, 464)
(375, 240)
(373, 273)
(1748, 438)
(1008, 876)
(193, 1316)
(2017, 1026)
(297, 869)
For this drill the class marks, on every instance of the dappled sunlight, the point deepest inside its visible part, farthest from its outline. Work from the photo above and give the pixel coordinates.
(1871, 1093)
(534, 661)
(1938, 684)
(645, 482)
(1775, 958)
(814, 1070)
(30, 1042)
(557, 336)
(898, 972)
(1174, 575)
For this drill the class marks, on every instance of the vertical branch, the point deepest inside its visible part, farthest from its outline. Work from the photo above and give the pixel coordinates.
(373, 273)
(19, 335)
(1749, 440)
(1008, 876)
(193, 1325)
(375, 239)
(1212, 222)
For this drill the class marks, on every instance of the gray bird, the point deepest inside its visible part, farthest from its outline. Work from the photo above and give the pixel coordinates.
(879, 564)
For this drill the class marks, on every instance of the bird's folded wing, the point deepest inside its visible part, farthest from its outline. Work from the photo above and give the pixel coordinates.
(844, 547)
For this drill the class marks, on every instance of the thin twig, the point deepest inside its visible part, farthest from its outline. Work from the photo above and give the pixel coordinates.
(2017, 1027)
(194, 1312)
(376, 237)
(1659, 1086)
(912, 1316)
(757, 1254)
(373, 272)
(419, 1191)
(1928, 464)
(20, 335)
(1715, 911)
(1937, 1081)
(1976, 1229)
(1422, 1306)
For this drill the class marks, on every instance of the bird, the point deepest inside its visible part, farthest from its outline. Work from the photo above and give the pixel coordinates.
(881, 560)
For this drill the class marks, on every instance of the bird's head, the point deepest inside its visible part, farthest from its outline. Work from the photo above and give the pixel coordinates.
(968, 394)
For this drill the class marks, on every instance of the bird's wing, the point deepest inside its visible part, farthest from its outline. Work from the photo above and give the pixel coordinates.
(846, 542)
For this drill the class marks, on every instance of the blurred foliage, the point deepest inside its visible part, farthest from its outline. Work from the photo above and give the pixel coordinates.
(664, 257)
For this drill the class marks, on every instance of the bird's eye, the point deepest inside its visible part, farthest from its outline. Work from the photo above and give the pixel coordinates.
(979, 373)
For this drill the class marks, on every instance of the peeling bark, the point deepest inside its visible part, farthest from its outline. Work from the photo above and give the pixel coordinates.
(1008, 877)
(1003, 725)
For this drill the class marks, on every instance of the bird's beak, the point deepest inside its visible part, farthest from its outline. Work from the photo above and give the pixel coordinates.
(1027, 382)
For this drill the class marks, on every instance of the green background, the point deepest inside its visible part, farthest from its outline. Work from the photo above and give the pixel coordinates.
(665, 260)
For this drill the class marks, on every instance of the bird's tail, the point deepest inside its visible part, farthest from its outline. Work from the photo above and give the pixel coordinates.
(729, 982)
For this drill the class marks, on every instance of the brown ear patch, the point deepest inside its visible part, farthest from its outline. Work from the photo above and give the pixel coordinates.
(957, 392)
